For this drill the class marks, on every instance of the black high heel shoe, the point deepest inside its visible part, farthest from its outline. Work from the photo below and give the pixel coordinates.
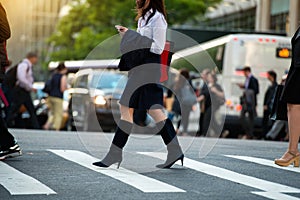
(169, 163)
(113, 156)
(101, 164)
(169, 137)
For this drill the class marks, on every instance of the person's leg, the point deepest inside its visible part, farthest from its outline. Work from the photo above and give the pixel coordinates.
(179, 124)
(216, 128)
(57, 113)
(6, 139)
(30, 108)
(294, 127)
(286, 129)
(126, 113)
(185, 120)
(50, 119)
(8, 145)
(115, 154)
(265, 123)
(243, 123)
(206, 121)
(275, 130)
(168, 134)
(8, 94)
(251, 125)
(18, 99)
(292, 154)
(200, 127)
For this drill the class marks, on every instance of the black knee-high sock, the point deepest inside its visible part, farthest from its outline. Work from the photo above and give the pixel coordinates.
(122, 134)
(167, 130)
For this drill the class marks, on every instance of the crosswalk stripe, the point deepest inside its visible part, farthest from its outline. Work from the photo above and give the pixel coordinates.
(18, 183)
(275, 196)
(272, 190)
(261, 161)
(140, 182)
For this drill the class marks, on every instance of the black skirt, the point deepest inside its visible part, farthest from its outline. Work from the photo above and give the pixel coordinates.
(143, 90)
(292, 87)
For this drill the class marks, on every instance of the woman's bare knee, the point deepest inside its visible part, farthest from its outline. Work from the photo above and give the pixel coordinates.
(158, 115)
(126, 113)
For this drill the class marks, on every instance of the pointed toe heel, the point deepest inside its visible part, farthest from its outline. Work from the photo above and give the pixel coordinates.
(169, 163)
(101, 164)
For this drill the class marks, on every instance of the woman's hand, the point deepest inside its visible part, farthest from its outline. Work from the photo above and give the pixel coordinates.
(201, 98)
(121, 29)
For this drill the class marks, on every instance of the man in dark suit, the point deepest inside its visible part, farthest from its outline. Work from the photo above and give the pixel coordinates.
(249, 102)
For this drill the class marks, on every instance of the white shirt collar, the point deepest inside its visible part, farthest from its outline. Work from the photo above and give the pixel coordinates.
(148, 13)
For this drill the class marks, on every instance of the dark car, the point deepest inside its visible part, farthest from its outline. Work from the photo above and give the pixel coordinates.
(94, 99)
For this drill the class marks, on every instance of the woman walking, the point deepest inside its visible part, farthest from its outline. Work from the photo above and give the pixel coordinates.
(55, 99)
(148, 96)
(291, 96)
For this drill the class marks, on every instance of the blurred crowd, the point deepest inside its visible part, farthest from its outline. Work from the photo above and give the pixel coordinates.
(210, 97)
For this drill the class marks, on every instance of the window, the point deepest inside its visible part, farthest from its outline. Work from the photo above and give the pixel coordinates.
(81, 82)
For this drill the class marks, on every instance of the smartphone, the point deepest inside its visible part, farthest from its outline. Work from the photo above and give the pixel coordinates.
(120, 28)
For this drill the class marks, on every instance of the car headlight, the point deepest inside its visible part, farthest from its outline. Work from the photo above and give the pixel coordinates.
(100, 100)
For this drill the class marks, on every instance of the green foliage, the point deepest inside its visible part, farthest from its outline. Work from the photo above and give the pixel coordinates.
(90, 22)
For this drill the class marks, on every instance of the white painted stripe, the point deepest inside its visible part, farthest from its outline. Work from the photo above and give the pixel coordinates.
(267, 186)
(140, 182)
(261, 161)
(275, 195)
(18, 183)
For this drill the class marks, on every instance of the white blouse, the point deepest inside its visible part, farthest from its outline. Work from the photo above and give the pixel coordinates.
(156, 29)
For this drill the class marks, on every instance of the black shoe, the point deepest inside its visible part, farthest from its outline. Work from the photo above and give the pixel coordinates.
(168, 134)
(115, 155)
(11, 152)
(170, 162)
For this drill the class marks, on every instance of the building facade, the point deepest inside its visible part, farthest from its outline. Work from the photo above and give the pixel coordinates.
(277, 16)
(32, 22)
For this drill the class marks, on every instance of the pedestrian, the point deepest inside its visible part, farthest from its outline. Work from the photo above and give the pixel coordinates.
(249, 103)
(58, 84)
(266, 122)
(143, 90)
(278, 125)
(22, 89)
(215, 98)
(291, 96)
(183, 89)
(204, 103)
(8, 144)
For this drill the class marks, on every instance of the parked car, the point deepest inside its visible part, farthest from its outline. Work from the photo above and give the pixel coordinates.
(94, 99)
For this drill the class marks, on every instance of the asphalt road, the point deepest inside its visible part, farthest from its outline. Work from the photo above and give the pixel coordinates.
(58, 166)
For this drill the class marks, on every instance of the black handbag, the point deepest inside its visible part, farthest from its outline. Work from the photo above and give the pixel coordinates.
(279, 108)
(48, 86)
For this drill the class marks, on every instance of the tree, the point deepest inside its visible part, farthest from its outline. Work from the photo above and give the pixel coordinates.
(89, 22)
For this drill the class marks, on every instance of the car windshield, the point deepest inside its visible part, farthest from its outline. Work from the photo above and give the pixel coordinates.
(109, 81)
